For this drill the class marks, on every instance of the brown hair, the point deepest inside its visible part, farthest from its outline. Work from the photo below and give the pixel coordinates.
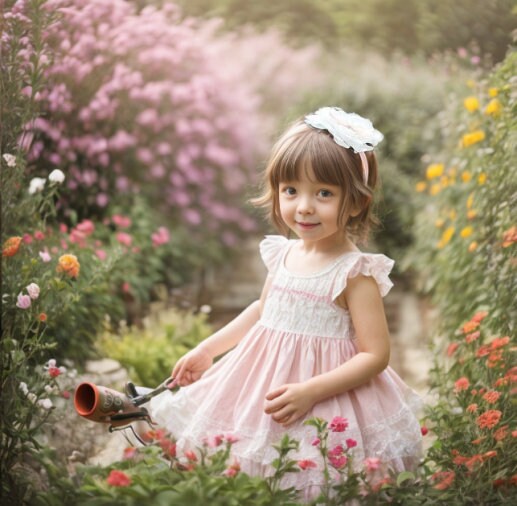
(303, 147)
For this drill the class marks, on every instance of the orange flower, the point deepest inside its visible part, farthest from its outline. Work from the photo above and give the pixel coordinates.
(461, 384)
(472, 336)
(470, 326)
(489, 455)
(492, 396)
(501, 433)
(489, 419)
(444, 479)
(483, 351)
(69, 265)
(494, 358)
(478, 441)
(473, 461)
(510, 237)
(42, 317)
(11, 246)
(499, 342)
(472, 408)
(479, 316)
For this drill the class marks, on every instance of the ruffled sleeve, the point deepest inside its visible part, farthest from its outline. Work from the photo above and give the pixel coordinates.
(271, 248)
(375, 265)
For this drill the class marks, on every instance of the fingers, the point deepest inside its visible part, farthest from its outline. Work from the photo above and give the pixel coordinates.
(277, 392)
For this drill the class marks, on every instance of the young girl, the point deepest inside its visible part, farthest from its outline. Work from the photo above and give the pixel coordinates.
(316, 344)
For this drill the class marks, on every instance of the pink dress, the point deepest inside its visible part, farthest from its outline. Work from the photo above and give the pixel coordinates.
(302, 333)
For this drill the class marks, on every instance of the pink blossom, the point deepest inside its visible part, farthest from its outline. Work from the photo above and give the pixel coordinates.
(23, 301)
(231, 438)
(86, 227)
(372, 463)
(191, 455)
(351, 443)
(38, 235)
(45, 256)
(101, 254)
(336, 451)
(306, 464)
(338, 462)
(124, 239)
(213, 441)
(316, 441)
(129, 453)
(126, 287)
(338, 424)
(161, 236)
(121, 221)
(33, 290)
(27, 238)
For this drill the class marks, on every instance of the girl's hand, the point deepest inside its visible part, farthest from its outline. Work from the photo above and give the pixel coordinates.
(190, 367)
(288, 403)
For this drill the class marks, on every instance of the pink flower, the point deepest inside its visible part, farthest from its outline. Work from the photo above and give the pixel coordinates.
(350, 443)
(23, 302)
(45, 256)
(232, 470)
(316, 441)
(372, 463)
(129, 452)
(461, 384)
(161, 236)
(124, 239)
(121, 221)
(336, 451)
(306, 464)
(338, 462)
(66, 394)
(101, 254)
(38, 235)
(54, 372)
(231, 438)
(27, 238)
(118, 479)
(86, 227)
(424, 430)
(191, 456)
(338, 424)
(33, 291)
(213, 441)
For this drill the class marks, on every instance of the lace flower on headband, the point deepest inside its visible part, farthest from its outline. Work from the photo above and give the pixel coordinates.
(348, 129)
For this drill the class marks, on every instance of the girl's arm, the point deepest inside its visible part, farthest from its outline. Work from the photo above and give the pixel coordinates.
(192, 365)
(364, 302)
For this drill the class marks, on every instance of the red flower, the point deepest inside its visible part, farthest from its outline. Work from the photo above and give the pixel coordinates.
(451, 349)
(479, 316)
(472, 337)
(472, 408)
(338, 424)
(499, 342)
(54, 372)
(424, 430)
(338, 462)
(42, 317)
(444, 479)
(168, 447)
(501, 433)
(191, 456)
(461, 384)
(492, 396)
(306, 464)
(350, 443)
(129, 452)
(118, 479)
(489, 419)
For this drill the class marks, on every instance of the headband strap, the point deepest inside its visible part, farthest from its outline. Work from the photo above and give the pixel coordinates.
(364, 163)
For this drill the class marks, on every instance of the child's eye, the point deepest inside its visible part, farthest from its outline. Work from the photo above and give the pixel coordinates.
(289, 190)
(325, 193)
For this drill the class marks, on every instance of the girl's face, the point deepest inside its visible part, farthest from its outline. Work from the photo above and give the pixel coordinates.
(311, 208)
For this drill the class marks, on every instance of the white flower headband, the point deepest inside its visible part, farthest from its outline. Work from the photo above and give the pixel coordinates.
(348, 130)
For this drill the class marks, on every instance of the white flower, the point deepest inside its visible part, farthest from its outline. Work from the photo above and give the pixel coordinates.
(32, 397)
(50, 389)
(36, 185)
(23, 387)
(50, 363)
(348, 129)
(33, 291)
(205, 308)
(56, 176)
(45, 403)
(10, 160)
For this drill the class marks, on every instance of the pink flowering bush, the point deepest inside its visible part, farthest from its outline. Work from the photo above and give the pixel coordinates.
(135, 103)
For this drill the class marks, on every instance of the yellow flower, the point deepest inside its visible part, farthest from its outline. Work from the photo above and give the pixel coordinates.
(473, 246)
(466, 176)
(470, 201)
(446, 236)
(471, 104)
(482, 178)
(434, 170)
(421, 186)
(471, 214)
(435, 189)
(472, 138)
(466, 232)
(439, 223)
(452, 214)
(493, 108)
(452, 172)
(444, 181)
(471, 83)
(493, 92)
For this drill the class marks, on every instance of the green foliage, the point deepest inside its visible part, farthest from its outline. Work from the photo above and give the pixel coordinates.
(150, 353)
(466, 228)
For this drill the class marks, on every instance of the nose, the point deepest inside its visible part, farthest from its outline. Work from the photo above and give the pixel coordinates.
(305, 205)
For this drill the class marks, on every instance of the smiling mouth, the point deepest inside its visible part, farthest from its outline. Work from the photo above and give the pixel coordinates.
(307, 225)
